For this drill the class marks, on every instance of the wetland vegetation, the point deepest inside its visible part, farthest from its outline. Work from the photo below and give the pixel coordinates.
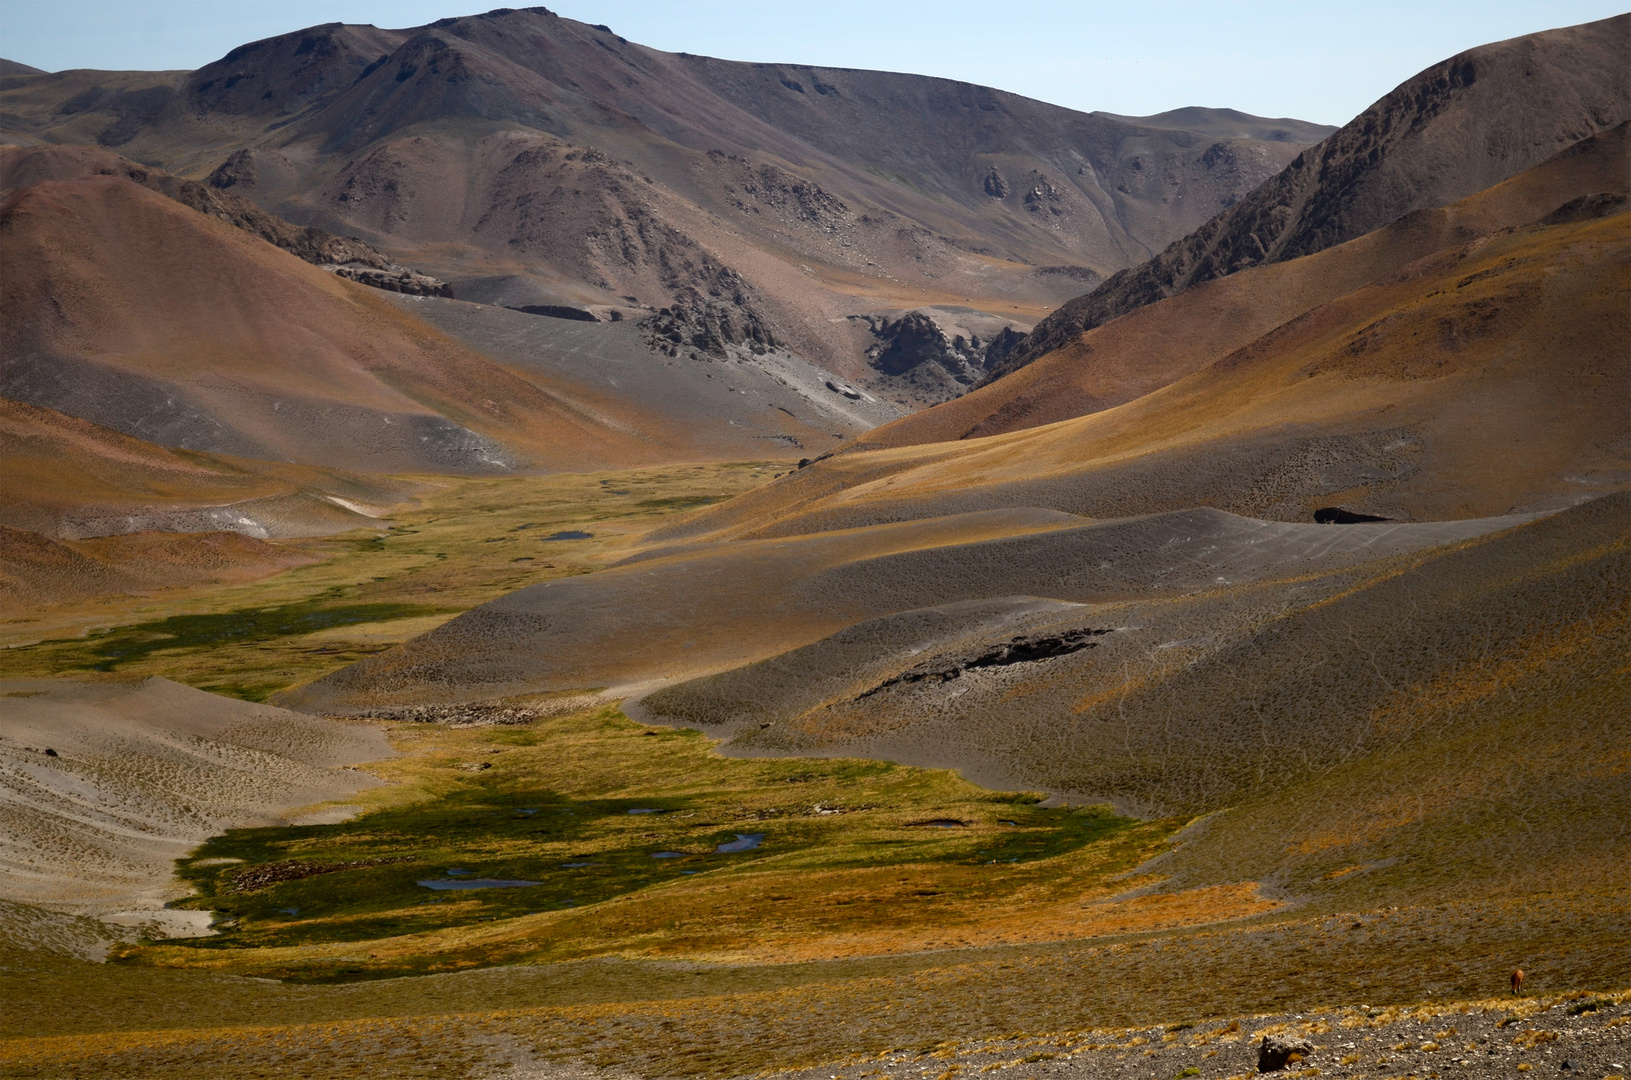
(461, 543)
(840, 853)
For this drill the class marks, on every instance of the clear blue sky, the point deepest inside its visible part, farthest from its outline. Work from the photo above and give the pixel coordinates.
(1321, 60)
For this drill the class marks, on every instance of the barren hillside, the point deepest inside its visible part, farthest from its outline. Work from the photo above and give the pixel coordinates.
(1456, 128)
(537, 161)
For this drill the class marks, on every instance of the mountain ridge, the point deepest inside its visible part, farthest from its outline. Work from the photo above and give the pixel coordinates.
(835, 196)
(1440, 135)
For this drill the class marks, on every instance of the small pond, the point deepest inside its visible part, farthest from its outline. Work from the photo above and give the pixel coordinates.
(743, 842)
(474, 883)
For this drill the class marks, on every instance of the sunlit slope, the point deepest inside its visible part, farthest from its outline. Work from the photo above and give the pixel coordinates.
(128, 309)
(686, 612)
(1424, 725)
(38, 571)
(1474, 382)
(1158, 344)
(70, 478)
(1458, 127)
(1266, 685)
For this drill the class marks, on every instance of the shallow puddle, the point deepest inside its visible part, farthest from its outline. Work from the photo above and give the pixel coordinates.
(669, 854)
(474, 883)
(938, 823)
(646, 810)
(570, 534)
(743, 842)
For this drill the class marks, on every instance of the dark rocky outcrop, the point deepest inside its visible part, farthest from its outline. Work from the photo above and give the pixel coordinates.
(915, 341)
(1336, 515)
(1278, 1051)
(1002, 346)
(237, 169)
(1454, 129)
(1021, 650)
(708, 325)
(397, 279)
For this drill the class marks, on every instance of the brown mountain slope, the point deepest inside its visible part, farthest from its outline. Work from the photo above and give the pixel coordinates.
(69, 478)
(345, 87)
(1456, 128)
(1475, 381)
(128, 309)
(36, 570)
(1155, 345)
(21, 166)
(534, 160)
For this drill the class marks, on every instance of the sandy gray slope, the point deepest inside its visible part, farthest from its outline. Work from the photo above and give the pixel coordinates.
(740, 405)
(103, 784)
(692, 610)
(1186, 703)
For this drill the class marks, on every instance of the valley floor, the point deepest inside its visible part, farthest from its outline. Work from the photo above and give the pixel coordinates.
(710, 916)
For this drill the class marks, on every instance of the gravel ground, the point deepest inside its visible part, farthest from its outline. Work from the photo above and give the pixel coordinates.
(1577, 1036)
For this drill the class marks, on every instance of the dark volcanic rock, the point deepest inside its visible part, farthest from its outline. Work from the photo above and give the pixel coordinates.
(911, 340)
(914, 341)
(1021, 650)
(1335, 515)
(238, 169)
(1457, 128)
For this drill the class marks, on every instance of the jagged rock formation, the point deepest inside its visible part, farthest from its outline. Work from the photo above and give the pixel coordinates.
(397, 279)
(912, 354)
(707, 325)
(1454, 129)
(1002, 346)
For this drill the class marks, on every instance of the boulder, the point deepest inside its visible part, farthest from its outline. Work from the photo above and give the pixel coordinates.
(1277, 1052)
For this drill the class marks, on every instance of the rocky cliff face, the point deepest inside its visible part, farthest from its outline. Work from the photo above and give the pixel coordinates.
(913, 359)
(1456, 128)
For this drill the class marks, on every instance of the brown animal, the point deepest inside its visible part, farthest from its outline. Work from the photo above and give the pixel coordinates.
(1517, 980)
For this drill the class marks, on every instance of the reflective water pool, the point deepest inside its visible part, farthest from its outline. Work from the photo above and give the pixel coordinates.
(743, 842)
(474, 883)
